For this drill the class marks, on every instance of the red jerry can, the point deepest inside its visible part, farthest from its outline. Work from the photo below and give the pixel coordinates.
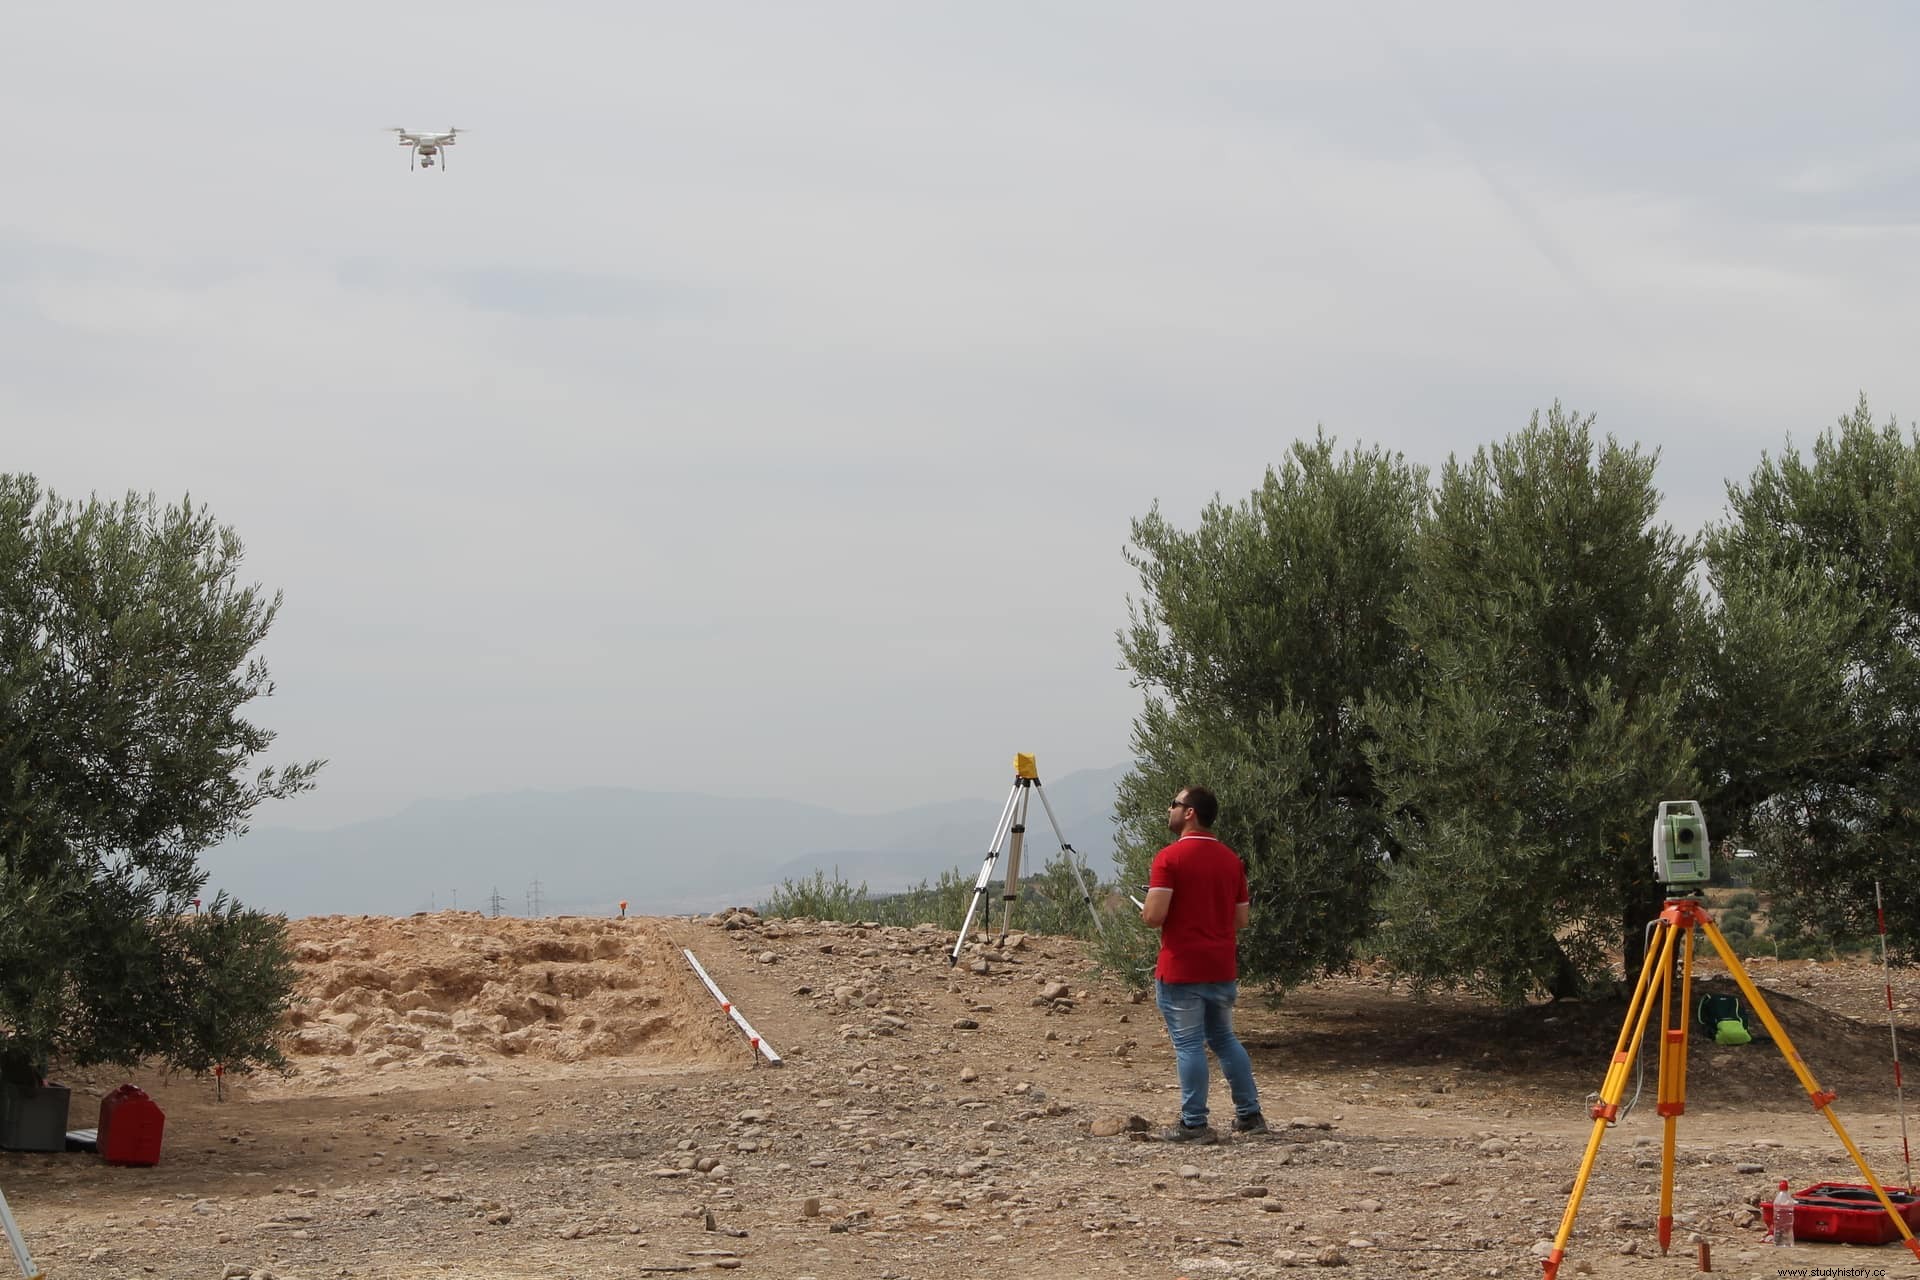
(130, 1125)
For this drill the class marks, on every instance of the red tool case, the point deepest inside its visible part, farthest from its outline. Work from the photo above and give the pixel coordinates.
(1846, 1213)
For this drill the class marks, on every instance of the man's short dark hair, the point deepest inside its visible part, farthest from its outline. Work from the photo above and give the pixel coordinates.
(1206, 805)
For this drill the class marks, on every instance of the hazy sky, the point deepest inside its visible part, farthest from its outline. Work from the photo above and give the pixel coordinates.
(759, 403)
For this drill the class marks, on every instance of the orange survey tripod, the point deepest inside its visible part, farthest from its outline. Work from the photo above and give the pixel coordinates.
(1670, 950)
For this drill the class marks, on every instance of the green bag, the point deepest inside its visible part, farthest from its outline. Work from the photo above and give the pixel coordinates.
(1724, 1016)
(1732, 1031)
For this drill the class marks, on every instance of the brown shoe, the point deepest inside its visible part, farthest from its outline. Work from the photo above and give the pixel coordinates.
(1202, 1135)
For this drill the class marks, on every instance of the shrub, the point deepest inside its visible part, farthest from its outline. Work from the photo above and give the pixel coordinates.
(943, 903)
(1126, 950)
(820, 899)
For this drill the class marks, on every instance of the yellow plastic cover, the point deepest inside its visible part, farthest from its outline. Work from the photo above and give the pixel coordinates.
(1024, 767)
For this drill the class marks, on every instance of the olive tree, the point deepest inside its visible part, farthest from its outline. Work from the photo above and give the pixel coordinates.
(128, 657)
(1817, 686)
(1558, 629)
(1257, 639)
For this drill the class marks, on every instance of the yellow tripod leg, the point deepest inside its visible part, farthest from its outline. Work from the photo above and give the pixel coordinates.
(1672, 1102)
(1822, 1099)
(1657, 970)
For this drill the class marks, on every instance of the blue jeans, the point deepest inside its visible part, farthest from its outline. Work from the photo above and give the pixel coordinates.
(1199, 1016)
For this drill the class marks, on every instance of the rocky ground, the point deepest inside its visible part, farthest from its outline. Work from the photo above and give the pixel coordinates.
(562, 1098)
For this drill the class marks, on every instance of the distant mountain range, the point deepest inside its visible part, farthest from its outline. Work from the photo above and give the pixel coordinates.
(662, 852)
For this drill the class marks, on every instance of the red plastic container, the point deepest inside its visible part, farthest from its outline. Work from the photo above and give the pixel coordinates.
(1846, 1213)
(130, 1127)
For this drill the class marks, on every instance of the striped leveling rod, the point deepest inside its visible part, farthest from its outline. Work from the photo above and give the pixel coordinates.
(753, 1037)
(1899, 1095)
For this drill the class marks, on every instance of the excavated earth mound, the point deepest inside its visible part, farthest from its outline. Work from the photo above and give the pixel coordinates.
(455, 989)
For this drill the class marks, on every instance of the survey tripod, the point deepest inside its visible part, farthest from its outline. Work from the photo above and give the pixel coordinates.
(1010, 831)
(1670, 954)
(16, 1241)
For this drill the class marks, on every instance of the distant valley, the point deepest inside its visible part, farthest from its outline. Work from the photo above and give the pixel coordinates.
(663, 853)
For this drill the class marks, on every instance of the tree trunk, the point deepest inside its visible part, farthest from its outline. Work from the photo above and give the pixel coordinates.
(1641, 906)
(1566, 978)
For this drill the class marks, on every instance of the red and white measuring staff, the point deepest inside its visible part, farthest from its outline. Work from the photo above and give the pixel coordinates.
(753, 1036)
(1880, 913)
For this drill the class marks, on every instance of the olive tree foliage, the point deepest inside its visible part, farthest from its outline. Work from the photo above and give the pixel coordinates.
(127, 658)
(1258, 636)
(1556, 625)
(1818, 684)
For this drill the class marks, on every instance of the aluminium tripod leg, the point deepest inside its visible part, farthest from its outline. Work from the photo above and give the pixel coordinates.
(986, 873)
(1010, 888)
(17, 1242)
(1656, 972)
(1072, 857)
(1822, 1098)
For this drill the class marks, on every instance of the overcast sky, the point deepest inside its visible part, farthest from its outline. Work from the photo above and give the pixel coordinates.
(759, 403)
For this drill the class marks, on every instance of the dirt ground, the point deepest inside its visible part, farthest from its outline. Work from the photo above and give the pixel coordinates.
(562, 1098)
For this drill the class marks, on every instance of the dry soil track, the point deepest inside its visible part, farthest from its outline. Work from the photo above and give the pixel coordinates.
(561, 1098)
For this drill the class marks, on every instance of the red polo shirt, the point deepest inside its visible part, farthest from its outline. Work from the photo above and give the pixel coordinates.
(1197, 941)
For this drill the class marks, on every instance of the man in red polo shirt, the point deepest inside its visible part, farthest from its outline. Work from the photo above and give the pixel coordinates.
(1197, 899)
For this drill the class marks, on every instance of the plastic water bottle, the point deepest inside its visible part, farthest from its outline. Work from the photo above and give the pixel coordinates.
(1783, 1215)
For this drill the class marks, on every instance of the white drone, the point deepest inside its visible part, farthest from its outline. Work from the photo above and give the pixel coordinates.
(426, 146)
